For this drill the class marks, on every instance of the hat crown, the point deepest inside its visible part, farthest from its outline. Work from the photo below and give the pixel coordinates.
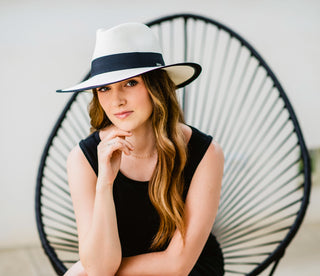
(125, 38)
(129, 50)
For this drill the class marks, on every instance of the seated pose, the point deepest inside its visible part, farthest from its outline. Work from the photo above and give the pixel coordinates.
(145, 186)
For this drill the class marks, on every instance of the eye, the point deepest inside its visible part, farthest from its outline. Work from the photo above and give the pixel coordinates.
(103, 89)
(131, 83)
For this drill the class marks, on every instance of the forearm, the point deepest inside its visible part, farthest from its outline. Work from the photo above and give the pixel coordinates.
(177, 260)
(155, 264)
(141, 265)
(100, 251)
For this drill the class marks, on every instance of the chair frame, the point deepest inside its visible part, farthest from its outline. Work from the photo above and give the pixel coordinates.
(279, 252)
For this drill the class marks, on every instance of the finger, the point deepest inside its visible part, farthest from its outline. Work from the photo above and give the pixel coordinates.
(118, 133)
(118, 144)
(126, 142)
(126, 146)
(107, 143)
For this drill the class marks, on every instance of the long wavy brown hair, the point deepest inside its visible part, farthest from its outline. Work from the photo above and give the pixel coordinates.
(167, 182)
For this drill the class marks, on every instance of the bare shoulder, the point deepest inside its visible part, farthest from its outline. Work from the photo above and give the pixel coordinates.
(78, 166)
(215, 151)
(210, 169)
(75, 156)
(187, 132)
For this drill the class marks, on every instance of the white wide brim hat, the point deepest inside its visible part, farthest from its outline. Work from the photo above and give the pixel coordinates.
(129, 50)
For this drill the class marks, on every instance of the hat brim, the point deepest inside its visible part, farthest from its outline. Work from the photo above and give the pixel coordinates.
(180, 73)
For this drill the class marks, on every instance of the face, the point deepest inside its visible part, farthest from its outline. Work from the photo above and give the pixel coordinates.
(127, 104)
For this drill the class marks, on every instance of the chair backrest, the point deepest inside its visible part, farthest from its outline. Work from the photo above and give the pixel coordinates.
(239, 101)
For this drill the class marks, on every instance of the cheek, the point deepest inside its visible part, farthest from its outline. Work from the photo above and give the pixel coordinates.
(146, 98)
(147, 102)
(104, 104)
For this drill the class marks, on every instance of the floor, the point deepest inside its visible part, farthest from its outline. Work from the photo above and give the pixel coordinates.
(302, 256)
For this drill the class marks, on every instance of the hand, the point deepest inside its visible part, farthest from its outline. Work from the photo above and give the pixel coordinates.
(109, 153)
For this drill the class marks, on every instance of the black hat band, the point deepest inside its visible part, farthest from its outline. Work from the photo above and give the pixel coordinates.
(125, 61)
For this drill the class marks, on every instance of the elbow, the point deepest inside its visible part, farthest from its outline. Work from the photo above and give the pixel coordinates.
(179, 266)
(181, 270)
(97, 265)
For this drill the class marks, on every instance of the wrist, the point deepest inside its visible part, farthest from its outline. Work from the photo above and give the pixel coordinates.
(103, 184)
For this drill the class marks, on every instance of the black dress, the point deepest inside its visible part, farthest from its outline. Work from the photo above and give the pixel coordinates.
(138, 220)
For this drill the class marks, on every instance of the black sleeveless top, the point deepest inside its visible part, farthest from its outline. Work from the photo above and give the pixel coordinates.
(138, 220)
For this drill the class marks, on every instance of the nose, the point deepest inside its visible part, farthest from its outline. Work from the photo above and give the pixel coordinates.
(118, 97)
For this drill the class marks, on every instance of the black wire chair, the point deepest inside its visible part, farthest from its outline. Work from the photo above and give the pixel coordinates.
(240, 102)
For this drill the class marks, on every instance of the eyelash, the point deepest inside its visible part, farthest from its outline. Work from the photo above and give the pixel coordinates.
(130, 83)
(103, 89)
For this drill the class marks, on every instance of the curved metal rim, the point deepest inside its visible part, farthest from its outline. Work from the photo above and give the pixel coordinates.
(280, 250)
(59, 267)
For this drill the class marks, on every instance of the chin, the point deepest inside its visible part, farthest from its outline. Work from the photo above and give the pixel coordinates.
(125, 126)
(131, 126)
(126, 129)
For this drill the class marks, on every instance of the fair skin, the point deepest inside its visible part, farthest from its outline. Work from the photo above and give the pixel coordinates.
(128, 106)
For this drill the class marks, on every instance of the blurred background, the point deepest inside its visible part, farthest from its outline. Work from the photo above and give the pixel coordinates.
(47, 45)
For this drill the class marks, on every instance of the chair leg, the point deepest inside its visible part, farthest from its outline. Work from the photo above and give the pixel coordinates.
(274, 267)
(276, 264)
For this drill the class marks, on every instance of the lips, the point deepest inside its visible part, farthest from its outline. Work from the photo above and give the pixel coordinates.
(123, 115)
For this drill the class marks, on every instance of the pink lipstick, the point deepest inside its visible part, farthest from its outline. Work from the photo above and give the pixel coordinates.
(123, 115)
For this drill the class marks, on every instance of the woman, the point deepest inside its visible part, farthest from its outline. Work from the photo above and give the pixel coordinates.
(145, 186)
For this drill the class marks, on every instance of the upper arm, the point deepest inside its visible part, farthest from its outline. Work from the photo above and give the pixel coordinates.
(82, 182)
(201, 207)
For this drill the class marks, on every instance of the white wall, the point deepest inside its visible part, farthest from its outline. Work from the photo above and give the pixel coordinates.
(46, 45)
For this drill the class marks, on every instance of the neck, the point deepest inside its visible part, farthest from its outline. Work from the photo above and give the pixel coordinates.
(144, 142)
